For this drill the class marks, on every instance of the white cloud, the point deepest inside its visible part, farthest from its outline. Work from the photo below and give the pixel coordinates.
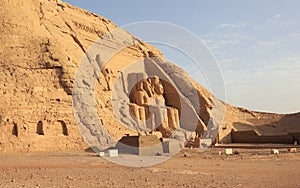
(260, 63)
(287, 23)
(273, 87)
(274, 18)
(222, 41)
(280, 69)
(277, 16)
(294, 36)
(233, 26)
(269, 43)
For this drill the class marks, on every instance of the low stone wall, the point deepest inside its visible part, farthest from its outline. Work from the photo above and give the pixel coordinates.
(253, 137)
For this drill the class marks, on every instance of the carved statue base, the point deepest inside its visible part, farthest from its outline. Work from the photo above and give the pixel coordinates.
(140, 145)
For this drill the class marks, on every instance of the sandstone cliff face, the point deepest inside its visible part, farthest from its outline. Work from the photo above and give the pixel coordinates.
(42, 43)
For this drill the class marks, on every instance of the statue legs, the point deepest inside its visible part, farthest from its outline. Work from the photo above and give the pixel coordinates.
(173, 118)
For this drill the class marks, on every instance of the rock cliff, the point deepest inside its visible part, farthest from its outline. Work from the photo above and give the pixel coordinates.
(42, 44)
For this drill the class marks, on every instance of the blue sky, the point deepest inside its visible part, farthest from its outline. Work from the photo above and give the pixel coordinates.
(256, 43)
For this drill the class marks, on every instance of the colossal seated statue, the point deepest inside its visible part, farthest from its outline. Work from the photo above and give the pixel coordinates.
(149, 109)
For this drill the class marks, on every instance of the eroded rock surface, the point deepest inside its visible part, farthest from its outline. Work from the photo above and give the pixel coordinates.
(42, 45)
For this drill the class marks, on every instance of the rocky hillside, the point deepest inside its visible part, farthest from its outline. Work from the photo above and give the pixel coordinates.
(42, 44)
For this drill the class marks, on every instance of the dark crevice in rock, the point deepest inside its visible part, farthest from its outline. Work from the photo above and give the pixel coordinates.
(48, 60)
(35, 68)
(47, 29)
(61, 5)
(73, 35)
(99, 33)
(69, 26)
(76, 40)
(41, 11)
(65, 83)
(51, 59)
(42, 15)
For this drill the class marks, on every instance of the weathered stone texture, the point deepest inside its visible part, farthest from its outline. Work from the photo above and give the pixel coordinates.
(42, 44)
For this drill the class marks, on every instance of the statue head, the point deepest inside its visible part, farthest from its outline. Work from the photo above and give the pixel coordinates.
(139, 86)
(157, 86)
(159, 89)
(147, 87)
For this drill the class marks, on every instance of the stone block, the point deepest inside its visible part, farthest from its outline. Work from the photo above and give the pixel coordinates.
(292, 150)
(101, 153)
(171, 146)
(113, 152)
(140, 145)
(228, 151)
(205, 143)
(274, 151)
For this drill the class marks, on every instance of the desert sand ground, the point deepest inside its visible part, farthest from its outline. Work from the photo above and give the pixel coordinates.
(189, 168)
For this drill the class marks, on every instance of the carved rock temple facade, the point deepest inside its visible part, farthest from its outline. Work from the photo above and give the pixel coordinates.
(42, 45)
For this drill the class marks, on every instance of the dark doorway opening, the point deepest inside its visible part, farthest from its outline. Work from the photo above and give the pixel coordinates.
(15, 130)
(64, 128)
(40, 128)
